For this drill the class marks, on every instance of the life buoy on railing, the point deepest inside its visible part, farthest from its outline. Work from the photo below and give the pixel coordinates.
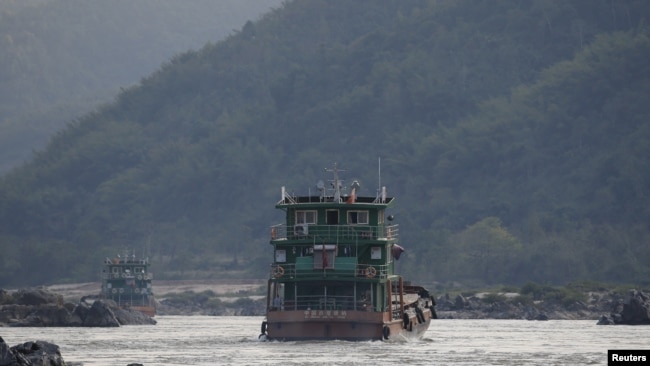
(140, 277)
(272, 233)
(278, 271)
(371, 272)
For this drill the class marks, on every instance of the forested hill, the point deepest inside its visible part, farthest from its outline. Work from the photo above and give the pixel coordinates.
(515, 135)
(62, 58)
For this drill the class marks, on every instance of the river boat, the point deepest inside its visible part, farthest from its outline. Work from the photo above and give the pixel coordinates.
(127, 281)
(333, 272)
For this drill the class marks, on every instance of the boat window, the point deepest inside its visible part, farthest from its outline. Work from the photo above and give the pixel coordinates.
(116, 269)
(324, 256)
(358, 217)
(375, 253)
(332, 217)
(305, 217)
(138, 270)
(281, 255)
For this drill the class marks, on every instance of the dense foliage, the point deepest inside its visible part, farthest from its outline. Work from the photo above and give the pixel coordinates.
(515, 135)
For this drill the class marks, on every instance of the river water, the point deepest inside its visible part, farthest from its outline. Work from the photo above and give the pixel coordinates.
(204, 340)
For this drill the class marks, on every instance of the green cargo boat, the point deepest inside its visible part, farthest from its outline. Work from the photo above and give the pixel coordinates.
(333, 272)
(127, 281)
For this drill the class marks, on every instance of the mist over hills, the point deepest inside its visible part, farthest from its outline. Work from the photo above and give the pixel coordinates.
(63, 58)
(514, 135)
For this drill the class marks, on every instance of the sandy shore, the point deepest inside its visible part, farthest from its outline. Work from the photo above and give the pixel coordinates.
(164, 287)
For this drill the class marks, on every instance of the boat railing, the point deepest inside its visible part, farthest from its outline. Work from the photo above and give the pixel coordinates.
(123, 275)
(127, 291)
(337, 233)
(320, 302)
(359, 271)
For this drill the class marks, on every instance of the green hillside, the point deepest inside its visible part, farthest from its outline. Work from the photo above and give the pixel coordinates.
(515, 136)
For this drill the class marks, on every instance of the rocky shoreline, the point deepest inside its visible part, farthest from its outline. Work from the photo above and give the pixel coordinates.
(605, 307)
(42, 308)
(543, 303)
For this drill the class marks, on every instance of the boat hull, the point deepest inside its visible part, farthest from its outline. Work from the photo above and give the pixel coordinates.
(146, 310)
(302, 325)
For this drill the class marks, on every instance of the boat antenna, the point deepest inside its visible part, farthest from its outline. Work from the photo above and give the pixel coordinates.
(379, 173)
(336, 183)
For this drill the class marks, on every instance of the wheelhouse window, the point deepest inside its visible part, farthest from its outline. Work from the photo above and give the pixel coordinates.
(332, 217)
(305, 217)
(358, 217)
(324, 256)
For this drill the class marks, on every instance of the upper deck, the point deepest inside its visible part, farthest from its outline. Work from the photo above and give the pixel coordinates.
(334, 233)
(376, 202)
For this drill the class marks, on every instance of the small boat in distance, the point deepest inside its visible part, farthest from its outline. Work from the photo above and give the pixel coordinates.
(333, 274)
(127, 281)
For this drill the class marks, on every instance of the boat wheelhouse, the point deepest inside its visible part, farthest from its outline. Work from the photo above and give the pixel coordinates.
(127, 281)
(333, 274)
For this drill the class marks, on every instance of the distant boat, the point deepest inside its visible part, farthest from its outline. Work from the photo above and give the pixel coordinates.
(333, 274)
(127, 281)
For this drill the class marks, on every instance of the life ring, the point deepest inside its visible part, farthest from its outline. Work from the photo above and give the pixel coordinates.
(386, 332)
(371, 272)
(140, 277)
(137, 290)
(116, 275)
(114, 291)
(272, 233)
(278, 271)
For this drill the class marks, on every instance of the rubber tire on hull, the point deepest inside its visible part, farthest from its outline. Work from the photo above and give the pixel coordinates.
(386, 332)
(407, 321)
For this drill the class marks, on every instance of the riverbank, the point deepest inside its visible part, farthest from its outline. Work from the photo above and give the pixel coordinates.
(247, 297)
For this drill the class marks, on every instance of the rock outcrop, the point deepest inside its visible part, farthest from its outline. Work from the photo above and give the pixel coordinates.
(634, 310)
(30, 353)
(41, 308)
